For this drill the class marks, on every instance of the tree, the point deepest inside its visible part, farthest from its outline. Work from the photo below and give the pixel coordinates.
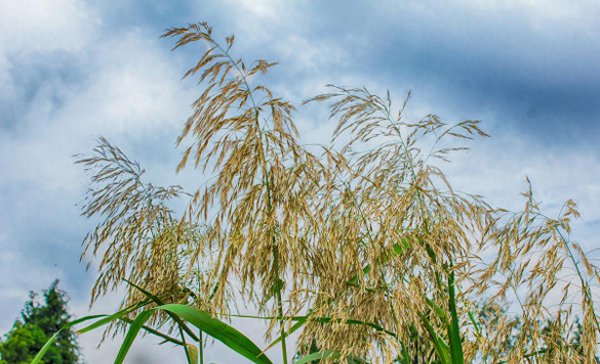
(37, 324)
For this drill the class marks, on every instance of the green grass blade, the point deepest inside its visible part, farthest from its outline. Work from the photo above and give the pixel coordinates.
(159, 302)
(134, 329)
(219, 330)
(166, 338)
(107, 319)
(37, 359)
(438, 310)
(405, 356)
(292, 329)
(441, 347)
(333, 354)
(453, 328)
(475, 325)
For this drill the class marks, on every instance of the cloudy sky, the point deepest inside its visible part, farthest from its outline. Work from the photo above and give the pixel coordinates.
(71, 71)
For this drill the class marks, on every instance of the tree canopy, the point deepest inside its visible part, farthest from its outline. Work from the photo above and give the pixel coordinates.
(38, 322)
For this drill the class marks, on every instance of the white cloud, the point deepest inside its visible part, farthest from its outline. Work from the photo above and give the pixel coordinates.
(543, 14)
(30, 28)
(262, 17)
(126, 88)
(33, 25)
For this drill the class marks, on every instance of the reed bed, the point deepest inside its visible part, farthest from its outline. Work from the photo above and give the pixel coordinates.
(362, 246)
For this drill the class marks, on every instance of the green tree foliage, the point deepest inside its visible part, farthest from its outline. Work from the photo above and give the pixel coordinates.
(38, 322)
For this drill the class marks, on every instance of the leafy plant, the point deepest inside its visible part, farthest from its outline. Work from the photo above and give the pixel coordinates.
(363, 245)
(37, 324)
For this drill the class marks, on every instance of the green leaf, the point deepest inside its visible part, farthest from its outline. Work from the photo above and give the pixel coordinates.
(107, 319)
(318, 356)
(453, 328)
(438, 310)
(405, 355)
(219, 330)
(159, 302)
(157, 333)
(292, 329)
(52, 339)
(474, 322)
(134, 329)
(441, 347)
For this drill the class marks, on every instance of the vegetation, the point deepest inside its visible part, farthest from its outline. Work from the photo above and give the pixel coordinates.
(37, 324)
(362, 246)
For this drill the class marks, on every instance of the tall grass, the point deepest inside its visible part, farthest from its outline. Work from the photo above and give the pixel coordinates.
(363, 247)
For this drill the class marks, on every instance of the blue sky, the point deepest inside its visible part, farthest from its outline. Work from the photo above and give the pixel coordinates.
(71, 71)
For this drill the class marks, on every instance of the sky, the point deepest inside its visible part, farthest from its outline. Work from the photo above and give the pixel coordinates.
(71, 71)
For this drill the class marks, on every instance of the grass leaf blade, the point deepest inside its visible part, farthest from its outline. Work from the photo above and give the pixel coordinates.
(219, 330)
(134, 329)
(319, 355)
(38, 358)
